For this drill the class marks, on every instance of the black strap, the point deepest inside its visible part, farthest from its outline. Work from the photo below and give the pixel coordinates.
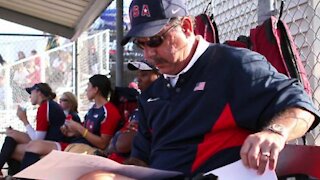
(215, 27)
(288, 54)
(281, 10)
(205, 11)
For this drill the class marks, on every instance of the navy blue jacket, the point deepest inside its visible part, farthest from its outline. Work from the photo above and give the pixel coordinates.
(50, 117)
(201, 123)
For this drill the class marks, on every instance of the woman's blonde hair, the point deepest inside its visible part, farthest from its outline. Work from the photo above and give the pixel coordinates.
(72, 99)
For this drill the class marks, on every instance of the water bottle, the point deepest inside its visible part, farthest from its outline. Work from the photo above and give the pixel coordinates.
(23, 106)
(68, 118)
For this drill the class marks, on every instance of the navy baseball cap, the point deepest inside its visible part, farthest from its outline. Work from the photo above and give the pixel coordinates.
(34, 87)
(42, 87)
(148, 17)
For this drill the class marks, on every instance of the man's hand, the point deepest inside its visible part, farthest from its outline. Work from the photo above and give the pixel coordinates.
(262, 148)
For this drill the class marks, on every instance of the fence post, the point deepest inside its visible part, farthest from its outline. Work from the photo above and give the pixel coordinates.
(75, 68)
(119, 59)
(107, 49)
(265, 10)
(8, 91)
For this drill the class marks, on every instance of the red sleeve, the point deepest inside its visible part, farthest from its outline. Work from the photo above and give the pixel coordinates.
(112, 120)
(42, 122)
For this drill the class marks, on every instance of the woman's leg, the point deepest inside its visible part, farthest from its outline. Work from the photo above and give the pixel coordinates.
(13, 166)
(19, 152)
(36, 149)
(15, 159)
(13, 146)
(10, 143)
(11, 149)
(42, 147)
(7, 150)
(20, 137)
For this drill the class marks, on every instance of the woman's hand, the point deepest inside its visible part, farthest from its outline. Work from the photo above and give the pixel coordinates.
(74, 126)
(69, 129)
(22, 115)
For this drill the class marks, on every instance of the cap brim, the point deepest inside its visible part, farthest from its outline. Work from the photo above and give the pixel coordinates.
(139, 65)
(29, 90)
(144, 30)
(132, 67)
(125, 40)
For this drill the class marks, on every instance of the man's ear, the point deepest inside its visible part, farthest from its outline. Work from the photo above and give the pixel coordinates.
(187, 25)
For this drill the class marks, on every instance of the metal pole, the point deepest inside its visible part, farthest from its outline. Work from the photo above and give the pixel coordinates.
(107, 45)
(266, 8)
(119, 59)
(75, 68)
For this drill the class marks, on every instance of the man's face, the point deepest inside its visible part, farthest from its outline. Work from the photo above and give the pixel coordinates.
(145, 78)
(169, 57)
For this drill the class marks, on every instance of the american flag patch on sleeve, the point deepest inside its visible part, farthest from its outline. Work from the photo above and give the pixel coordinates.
(199, 86)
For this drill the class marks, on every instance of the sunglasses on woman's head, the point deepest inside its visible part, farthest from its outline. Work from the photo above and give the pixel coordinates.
(64, 100)
(154, 41)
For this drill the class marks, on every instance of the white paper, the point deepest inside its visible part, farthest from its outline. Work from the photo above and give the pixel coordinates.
(238, 171)
(69, 166)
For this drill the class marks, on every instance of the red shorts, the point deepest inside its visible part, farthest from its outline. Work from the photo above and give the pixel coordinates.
(116, 157)
(63, 145)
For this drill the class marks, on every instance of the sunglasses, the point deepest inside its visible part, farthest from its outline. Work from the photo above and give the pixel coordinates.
(64, 100)
(154, 41)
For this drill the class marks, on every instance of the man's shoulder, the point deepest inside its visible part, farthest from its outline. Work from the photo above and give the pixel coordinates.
(230, 56)
(224, 50)
(156, 88)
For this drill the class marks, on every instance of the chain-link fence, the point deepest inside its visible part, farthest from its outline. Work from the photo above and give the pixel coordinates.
(237, 17)
(97, 54)
(64, 68)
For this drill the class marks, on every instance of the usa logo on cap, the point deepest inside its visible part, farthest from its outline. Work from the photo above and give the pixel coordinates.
(148, 17)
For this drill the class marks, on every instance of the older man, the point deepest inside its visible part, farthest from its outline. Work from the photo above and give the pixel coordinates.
(214, 104)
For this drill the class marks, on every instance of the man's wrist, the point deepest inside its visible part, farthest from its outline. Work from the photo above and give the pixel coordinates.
(278, 129)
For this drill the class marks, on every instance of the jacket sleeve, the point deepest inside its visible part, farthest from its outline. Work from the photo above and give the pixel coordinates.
(258, 92)
(142, 140)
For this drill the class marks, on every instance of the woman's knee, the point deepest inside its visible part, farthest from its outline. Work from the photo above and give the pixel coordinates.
(40, 147)
(20, 137)
(34, 146)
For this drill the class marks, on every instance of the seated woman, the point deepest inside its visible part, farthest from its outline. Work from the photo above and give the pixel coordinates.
(69, 104)
(99, 125)
(49, 118)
